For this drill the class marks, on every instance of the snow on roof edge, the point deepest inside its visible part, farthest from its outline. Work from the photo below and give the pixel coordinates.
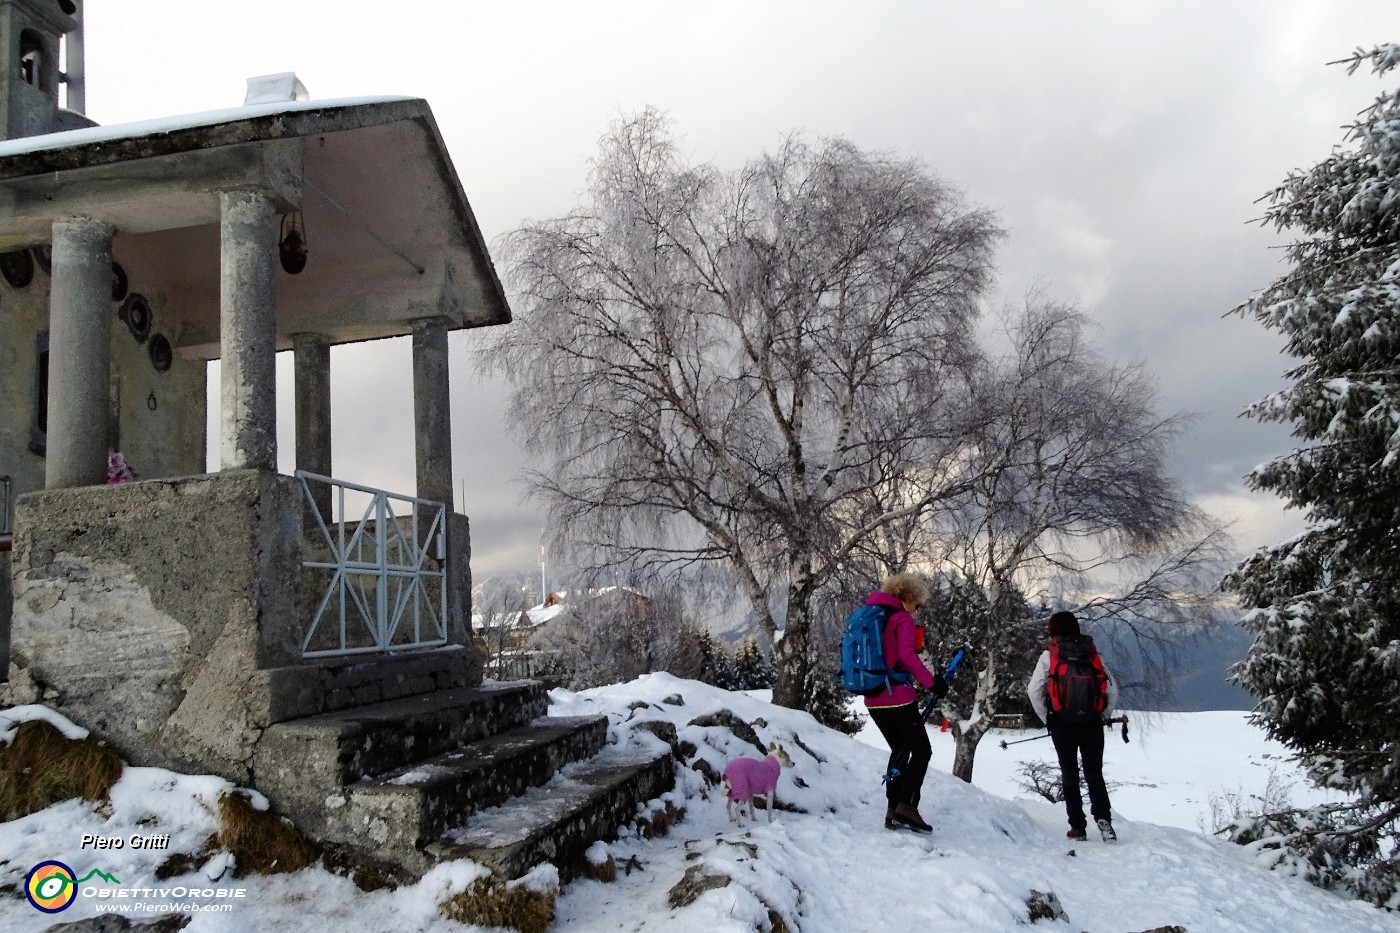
(96, 134)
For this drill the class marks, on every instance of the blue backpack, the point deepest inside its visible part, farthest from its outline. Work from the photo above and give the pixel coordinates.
(863, 668)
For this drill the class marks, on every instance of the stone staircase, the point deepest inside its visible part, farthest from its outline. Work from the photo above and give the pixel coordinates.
(476, 772)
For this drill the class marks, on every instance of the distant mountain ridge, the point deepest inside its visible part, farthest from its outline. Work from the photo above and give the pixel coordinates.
(1205, 659)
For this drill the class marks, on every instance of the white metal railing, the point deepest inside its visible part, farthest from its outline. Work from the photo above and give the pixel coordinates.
(387, 583)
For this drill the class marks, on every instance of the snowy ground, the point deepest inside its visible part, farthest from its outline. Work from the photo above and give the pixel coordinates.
(831, 867)
(1174, 770)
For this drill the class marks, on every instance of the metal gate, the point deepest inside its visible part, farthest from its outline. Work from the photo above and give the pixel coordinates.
(379, 582)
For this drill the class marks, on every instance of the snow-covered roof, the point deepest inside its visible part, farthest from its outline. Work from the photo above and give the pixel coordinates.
(496, 620)
(391, 236)
(542, 614)
(605, 590)
(162, 125)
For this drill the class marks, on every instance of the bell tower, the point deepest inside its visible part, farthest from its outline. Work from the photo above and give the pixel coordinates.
(41, 67)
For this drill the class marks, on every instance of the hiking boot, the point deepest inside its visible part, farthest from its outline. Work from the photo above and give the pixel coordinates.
(907, 815)
(1078, 835)
(889, 817)
(1106, 830)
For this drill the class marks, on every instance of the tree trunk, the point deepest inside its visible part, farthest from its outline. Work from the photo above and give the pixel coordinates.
(965, 751)
(984, 711)
(790, 665)
(791, 662)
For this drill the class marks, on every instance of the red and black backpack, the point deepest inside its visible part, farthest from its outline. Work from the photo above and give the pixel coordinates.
(1078, 682)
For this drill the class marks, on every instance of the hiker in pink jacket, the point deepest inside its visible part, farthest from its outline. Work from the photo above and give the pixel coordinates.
(895, 711)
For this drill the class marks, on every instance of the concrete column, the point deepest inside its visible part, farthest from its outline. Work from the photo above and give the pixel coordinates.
(312, 375)
(80, 353)
(432, 412)
(248, 331)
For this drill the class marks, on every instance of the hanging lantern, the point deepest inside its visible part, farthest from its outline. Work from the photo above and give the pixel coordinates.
(291, 247)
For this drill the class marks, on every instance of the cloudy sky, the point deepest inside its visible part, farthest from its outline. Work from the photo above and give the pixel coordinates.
(1124, 145)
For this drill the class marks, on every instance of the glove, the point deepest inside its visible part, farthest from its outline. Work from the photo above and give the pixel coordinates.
(940, 686)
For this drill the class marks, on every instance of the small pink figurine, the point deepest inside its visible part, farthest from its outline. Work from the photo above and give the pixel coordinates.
(117, 469)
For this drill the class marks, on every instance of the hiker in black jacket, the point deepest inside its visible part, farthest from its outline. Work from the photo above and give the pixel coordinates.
(1073, 694)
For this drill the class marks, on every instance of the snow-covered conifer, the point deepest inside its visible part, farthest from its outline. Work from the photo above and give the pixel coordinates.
(753, 670)
(1325, 607)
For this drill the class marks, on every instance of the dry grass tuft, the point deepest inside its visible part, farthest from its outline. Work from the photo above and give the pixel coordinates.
(659, 822)
(493, 903)
(260, 840)
(605, 872)
(42, 767)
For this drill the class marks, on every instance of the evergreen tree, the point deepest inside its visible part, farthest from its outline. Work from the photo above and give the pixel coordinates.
(717, 667)
(831, 704)
(958, 615)
(1325, 607)
(752, 668)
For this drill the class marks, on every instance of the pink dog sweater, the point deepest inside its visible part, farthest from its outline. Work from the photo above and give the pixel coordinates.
(749, 776)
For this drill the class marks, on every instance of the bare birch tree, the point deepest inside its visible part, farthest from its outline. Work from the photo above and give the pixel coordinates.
(721, 367)
(1071, 504)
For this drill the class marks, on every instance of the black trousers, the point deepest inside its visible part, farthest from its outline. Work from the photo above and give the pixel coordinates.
(910, 751)
(1073, 740)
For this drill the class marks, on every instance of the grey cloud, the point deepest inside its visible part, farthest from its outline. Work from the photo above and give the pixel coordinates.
(1123, 144)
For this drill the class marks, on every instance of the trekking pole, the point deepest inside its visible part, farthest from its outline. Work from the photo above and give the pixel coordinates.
(1034, 738)
(926, 712)
(948, 672)
(1108, 724)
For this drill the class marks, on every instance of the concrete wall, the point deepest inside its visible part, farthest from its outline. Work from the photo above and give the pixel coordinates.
(167, 615)
(459, 593)
(26, 316)
(147, 611)
(161, 416)
(160, 423)
(5, 603)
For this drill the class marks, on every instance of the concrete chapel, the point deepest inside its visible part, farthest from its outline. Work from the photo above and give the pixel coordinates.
(301, 634)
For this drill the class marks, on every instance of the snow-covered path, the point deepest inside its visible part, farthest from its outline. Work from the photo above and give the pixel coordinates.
(986, 853)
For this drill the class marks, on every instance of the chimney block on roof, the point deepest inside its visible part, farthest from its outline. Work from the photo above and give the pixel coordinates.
(273, 89)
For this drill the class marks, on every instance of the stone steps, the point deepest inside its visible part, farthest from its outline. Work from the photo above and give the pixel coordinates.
(408, 808)
(327, 685)
(342, 747)
(560, 820)
(414, 780)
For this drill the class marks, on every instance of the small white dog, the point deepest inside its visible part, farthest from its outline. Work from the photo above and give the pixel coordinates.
(747, 778)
